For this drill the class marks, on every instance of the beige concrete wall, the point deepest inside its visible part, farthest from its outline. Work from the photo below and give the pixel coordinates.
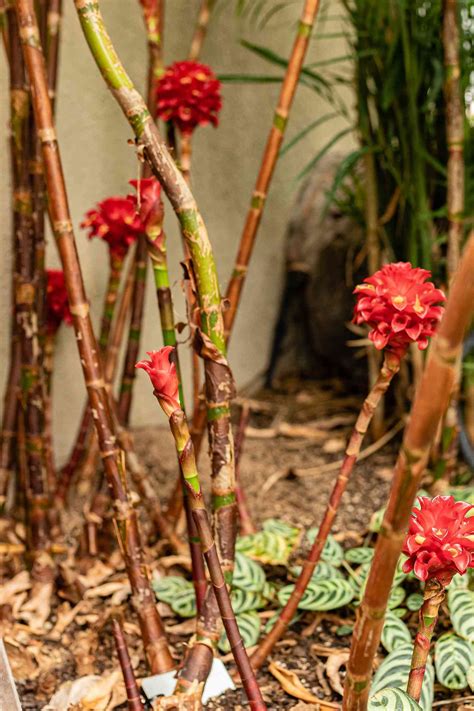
(98, 162)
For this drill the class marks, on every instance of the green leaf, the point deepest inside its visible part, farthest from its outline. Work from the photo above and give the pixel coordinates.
(321, 596)
(461, 608)
(362, 554)
(397, 596)
(393, 673)
(393, 700)
(166, 589)
(248, 575)
(281, 528)
(249, 79)
(249, 628)
(266, 547)
(323, 571)
(414, 601)
(332, 552)
(184, 603)
(310, 127)
(453, 658)
(322, 152)
(243, 601)
(395, 633)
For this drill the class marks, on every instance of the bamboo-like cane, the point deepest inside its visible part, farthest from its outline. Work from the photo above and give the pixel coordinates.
(219, 385)
(131, 687)
(156, 647)
(430, 403)
(390, 367)
(200, 31)
(433, 596)
(185, 450)
(83, 438)
(246, 524)
(157, 253)
(454, 132)
(154, 24)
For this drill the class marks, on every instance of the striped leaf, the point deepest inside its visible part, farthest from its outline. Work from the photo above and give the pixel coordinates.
(270, 622)
(459, 581)
(453, 659)
(184, 603)
(166, 589)
(248, 575)
(393, 700)
(362, 554)
(249, 627)
(323, 571)
(393, 673)
(376, 520)
(461, 608)
(321, 596)
(243, 601)
(266, 547)
(290, 533)
(414, 601)
(395, 633)
(332, 552)
(397, 596)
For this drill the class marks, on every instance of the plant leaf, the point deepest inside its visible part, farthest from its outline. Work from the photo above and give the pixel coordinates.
(461, 608)
(394, 671)
(393, 700)
(249, 628)
(395, 633)
(453, 658)
(291, 683)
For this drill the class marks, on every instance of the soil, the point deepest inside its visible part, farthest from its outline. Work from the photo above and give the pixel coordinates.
(271, 478)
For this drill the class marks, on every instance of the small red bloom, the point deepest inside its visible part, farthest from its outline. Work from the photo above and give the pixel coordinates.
(115, 220)
(440, 540)
(399, 305)
(188, 93)
(148, 203)
(164, 377)
(57, 305)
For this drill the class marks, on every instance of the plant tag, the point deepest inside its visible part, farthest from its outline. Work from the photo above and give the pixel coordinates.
(217, 683)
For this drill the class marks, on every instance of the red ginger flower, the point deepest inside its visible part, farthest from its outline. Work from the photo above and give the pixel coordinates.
(114, 220)
(399, 305)
(57, 305)
(440, 540)
(164, 377)
(148, 203)
(188, 93)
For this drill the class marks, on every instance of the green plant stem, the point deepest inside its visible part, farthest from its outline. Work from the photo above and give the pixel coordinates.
(430, 402)
(390, 367)
(126, 524)
(219, 383)
(184, 448)
(433, 597)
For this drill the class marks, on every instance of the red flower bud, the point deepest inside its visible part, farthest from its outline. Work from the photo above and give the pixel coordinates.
(57, 305)
(400, 306)
(115, 220)
(188, 94)
(148, 204)
(164, 378)
(440, 540)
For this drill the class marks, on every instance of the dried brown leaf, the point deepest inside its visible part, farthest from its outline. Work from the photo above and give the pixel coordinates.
(333, 665)
(95, 575)
(89, 692)
(290, 682)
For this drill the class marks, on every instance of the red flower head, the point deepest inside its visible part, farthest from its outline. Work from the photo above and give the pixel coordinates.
(57, 305)
(440, 539)
(399, 305)
(115, 220)
(148, 204)
(164, 378)
(188, 93)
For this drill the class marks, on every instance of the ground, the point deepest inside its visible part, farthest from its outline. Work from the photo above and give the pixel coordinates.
(304, 427)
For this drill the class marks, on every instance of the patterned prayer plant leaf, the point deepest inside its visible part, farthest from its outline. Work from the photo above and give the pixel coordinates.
(395, 633)
(332, 552)
(184, 603)
(461, 609)
(243, 601)
(393, 700)
(290, 533)
(249, 628)
(397, 596)
(248, 575)
(321, 596)
(359, 555)
(414, 602)
(393, 673)
(323, 571)
(453, 658)
(167, 588)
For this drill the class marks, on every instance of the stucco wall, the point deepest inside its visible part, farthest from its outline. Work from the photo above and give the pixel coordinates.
(98, 162)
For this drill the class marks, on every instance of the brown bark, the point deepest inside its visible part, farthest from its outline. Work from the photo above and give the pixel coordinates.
(131, 687)
(125, 517)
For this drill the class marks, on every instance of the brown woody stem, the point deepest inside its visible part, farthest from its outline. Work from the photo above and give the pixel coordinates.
(246, 524)
(433, 597)
(126, 523)
(390, 368)
(200, 31)
(131, 687)
(430, 402)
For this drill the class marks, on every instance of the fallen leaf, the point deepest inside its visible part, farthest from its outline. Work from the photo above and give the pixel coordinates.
(333, 663)
(291, 683)
(89, 692)
(107, 589)
(18, 584)
(95, 575)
